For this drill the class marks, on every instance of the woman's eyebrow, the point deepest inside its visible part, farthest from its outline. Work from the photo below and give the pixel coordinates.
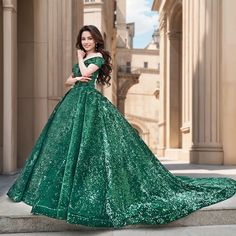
(90, 37)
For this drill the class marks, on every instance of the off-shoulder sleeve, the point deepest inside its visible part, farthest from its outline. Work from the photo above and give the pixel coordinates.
(98, 61)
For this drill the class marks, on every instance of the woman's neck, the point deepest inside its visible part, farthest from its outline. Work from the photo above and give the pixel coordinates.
(90, 53)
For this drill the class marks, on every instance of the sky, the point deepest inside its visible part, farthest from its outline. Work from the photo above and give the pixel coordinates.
(146, 20)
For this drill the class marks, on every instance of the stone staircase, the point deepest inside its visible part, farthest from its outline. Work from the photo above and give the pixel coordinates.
(16, 217)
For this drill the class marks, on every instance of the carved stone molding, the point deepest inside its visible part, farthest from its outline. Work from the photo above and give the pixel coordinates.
(163, 23)
(185, 128)
(10, 5)
(174, 35)
(157, 93)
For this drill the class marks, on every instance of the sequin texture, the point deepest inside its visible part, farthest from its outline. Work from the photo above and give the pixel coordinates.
(90, 167)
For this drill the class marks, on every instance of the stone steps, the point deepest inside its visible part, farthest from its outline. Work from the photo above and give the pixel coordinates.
(16, 218)
(225, 230)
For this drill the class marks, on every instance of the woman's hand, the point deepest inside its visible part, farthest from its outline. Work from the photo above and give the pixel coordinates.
(83, 79)
(70, 82)
(80, 54)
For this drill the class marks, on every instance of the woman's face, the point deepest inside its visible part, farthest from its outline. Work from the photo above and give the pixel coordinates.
(87, 41)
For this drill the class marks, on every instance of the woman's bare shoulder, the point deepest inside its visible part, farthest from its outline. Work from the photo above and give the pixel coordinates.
(98, 54)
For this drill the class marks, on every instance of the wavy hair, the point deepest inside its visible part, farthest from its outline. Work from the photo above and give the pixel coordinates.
(105, 70)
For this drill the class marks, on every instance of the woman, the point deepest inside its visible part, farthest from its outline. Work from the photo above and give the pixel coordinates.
(90, 167)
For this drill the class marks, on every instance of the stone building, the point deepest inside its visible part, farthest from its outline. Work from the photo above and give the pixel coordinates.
(38, 51)
(138, 77)
(198, 84)
(142, 103)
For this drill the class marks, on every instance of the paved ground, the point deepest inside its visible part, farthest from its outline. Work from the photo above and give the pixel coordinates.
(5, 182)
(184, 168)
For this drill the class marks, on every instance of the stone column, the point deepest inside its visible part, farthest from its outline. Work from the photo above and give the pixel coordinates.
(41, 63)
(67, 48)
(121, 104)
(77, 23)
(206, 137)
(64, 22)
(162, 108)
(1, 86)
(187, 71)
(228, 81)
(10, 85)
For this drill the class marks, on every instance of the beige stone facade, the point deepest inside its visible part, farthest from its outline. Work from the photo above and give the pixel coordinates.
(38, 39)
(138, 80)
(142, 103)
(197, 86)
(138, 73)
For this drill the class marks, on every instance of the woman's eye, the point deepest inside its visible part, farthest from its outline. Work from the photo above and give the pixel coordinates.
(83, 39)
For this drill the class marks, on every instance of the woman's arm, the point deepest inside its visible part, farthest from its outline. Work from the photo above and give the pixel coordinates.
(85, 70)
(72, 80)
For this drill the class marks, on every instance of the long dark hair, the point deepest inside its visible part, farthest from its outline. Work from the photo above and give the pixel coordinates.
(105, 70)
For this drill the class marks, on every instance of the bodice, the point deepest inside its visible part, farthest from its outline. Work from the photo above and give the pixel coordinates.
(93, 60)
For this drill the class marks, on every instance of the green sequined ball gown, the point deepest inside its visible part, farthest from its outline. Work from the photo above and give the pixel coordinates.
(90, 167)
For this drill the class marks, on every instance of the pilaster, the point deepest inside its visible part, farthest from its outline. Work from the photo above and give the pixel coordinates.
(9, 86)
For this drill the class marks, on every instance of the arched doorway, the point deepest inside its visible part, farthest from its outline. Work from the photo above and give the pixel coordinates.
(175, 77)
(125, 82)
(137, 129)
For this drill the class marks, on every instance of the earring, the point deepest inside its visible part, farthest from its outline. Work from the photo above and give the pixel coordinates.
(96, 46)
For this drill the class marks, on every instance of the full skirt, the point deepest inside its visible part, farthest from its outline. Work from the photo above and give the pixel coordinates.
(90, 167)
